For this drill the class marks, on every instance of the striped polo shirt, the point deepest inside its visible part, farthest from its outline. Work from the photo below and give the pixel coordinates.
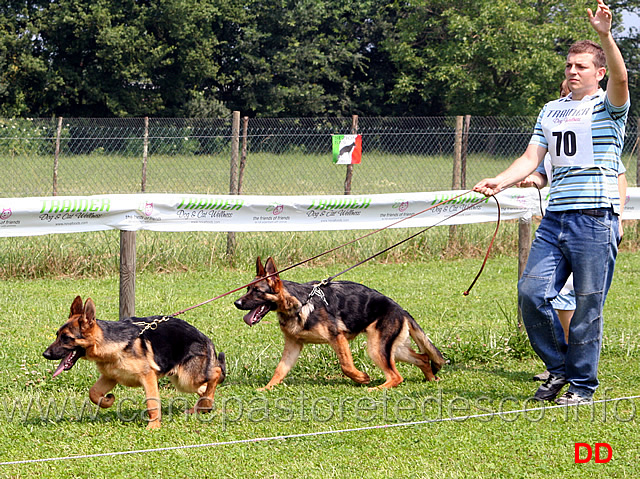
(574, 188)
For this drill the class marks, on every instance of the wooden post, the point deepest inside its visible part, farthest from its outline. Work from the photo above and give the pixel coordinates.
(233, 176)
(127, 274)
(457, 168)
(457, 153)
(145, 154)
(463, 153)
(56, 157)
(243, 155)
(349, 177)
(524, 245)
(638, 157)
(235, 148)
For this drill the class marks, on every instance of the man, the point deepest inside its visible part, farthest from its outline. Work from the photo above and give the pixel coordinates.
(579, 233)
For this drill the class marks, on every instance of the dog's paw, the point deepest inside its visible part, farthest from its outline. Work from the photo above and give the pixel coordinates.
(362, 378)
(155, 424)
(103, 402)
(384, 386)
(202, 406)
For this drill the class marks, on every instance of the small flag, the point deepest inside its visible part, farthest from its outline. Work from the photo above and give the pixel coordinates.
(347, 149)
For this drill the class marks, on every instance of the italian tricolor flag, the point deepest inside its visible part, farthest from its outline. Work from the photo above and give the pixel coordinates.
(347, 149)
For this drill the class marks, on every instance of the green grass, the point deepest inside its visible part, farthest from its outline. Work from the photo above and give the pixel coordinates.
(295, 173)
(490, 371)
(97, 253)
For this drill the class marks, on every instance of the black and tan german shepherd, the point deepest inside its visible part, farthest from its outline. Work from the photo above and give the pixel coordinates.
(137, 352)
(335, 313)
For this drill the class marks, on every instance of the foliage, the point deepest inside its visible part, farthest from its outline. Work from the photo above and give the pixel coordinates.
(168, 140)
(484, 57)
(23, 137)
(114, 58)
(288, 57)
(304, 58)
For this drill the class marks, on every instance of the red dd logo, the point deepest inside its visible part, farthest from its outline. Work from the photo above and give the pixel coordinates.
(579, 446)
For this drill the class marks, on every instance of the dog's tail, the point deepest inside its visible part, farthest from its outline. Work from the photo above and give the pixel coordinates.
(223, 365)
(426, 346)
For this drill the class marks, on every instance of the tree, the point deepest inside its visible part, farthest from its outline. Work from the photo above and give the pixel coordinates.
(24, 73)
(111, 58)
(290, 57)
(301, 57)
(482, 57)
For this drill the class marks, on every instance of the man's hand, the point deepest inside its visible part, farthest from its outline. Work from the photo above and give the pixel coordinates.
(534, 179)
(601, 21)
(489, 186)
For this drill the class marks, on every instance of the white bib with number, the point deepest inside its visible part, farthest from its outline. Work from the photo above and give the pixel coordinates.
(567, 128)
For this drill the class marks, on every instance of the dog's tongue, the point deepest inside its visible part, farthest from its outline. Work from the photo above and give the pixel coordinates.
(60, 368)
(66, 364)
(248, 318)
(255, 315)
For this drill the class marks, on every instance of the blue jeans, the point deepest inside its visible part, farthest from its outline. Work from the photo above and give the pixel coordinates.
(586, 245)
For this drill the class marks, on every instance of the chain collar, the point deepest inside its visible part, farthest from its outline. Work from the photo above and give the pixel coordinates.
(153, 325)
(316, 291)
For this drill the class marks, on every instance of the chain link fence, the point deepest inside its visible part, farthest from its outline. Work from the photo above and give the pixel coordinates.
(263, 156)
(290, 156)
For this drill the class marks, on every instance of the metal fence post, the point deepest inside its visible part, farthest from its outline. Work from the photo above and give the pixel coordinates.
(233, 176)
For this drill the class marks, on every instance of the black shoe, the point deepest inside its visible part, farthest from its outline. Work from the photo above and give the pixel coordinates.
(572, 399)
(550, 388)
(543, 376)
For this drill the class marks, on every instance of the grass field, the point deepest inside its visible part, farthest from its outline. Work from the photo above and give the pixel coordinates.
(283, 173)
(265, 174)
(478, 421)
(489, 376)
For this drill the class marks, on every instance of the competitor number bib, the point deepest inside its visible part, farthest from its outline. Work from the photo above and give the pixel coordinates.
(567, 128)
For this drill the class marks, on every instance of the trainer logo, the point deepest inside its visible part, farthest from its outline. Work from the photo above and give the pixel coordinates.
(148, 208)
(275, 208)
(401, 205)
(584, 453)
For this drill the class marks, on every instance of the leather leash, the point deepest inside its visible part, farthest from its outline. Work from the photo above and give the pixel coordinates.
(257, 280)
(466, 293)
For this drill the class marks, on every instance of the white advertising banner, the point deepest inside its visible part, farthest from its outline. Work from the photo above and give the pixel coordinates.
(185, 212)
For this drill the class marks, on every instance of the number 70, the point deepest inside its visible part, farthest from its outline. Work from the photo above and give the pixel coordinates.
(565, 142)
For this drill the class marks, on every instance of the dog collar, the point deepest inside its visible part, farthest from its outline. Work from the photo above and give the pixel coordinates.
(316, 291)
(151, 325)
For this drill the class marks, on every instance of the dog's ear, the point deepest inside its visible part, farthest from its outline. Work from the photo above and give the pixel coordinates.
(259, 268)
(270, 266)
(274, 281)
(76, 307)
(88, 320)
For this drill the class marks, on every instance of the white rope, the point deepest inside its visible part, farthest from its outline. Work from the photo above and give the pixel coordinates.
(309, 434)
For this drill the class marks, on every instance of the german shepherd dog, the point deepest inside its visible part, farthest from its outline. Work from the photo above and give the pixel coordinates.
(137, 352)
(335, 313)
